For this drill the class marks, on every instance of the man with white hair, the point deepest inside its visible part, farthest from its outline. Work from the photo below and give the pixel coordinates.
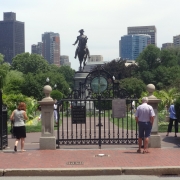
(145, 118)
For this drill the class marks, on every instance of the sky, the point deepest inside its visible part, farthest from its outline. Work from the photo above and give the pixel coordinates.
(104, 22)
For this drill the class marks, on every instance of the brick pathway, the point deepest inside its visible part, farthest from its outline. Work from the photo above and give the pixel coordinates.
(116, 156)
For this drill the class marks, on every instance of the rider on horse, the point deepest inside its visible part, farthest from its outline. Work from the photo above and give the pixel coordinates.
(82, 43)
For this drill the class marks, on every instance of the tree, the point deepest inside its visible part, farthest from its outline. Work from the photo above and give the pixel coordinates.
(30, 63)
(13, 82)
(168, 58)
(68, 74)
(133, 86)
(33, 85)
(1, 58)
(55, 94)
(4, 68)
(149, 58)
(118, 69)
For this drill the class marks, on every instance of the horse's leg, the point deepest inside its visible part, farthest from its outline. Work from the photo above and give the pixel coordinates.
(84, 62)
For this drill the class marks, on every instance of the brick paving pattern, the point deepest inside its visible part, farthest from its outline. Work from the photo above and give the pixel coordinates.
(117, 155)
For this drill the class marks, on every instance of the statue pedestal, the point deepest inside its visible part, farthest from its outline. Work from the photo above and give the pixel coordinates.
(47, 139)
(79, 77)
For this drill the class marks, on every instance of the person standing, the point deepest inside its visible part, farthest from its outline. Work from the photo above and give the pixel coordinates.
(172, 117)
(19, 116)
(144, 117)
(55, 111)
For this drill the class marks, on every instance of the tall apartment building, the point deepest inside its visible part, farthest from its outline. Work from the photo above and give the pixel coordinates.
(51, 47)
(12, 37)
(176, 40)
(95, 58)
(167, 45)
(37, 48)
(150, 30)
(133, 45)
(64, 61)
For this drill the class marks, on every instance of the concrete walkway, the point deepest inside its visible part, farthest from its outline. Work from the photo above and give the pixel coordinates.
(89, 160)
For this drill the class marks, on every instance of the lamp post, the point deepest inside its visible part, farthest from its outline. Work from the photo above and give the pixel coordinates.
(55, 86)
(47, 80)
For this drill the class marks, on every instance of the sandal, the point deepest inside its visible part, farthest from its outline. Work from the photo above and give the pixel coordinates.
(145, 151)
(138, 151)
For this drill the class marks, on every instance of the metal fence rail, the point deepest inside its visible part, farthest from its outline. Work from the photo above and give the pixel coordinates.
(3, 128)
(96, 127)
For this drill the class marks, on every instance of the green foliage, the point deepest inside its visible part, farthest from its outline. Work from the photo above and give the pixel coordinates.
(68, 74)
(55, 94)
(133, 86)
(4, 68)
(166, 97)
(118, 69)
(30, 63)
(14, 81)
(12, 101)
(149, 58)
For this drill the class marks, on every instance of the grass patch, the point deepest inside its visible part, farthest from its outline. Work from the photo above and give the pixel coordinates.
(125, 123)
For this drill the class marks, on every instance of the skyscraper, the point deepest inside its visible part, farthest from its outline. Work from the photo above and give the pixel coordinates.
(37, 48)
(167, 45)
(176, 40)
(133, 45)
(150, 30)
(12, 41)
(51, 47)
(64, 61)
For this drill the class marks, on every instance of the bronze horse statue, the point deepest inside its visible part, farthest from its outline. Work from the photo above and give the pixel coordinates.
(82, 50)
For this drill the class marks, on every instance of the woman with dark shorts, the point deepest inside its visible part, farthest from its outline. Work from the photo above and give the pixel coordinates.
(19, 116)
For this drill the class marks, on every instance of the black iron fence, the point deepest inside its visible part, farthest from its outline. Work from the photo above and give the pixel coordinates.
(90, 122)
(3, 128)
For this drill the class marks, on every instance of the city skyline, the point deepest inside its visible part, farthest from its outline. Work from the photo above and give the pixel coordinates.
(104, 22)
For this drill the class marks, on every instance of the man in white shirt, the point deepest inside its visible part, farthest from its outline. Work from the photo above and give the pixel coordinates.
(145, 118)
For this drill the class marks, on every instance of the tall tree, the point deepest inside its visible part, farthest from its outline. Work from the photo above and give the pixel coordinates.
(30, 63)
(68, 74)
(13, 82)
(133, 86)
(149, 58)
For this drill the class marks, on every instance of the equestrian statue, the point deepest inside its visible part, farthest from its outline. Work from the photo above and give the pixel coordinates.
(82, 50)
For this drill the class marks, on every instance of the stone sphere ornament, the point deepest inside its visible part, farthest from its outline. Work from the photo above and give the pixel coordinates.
(47, 91)
(151, 88)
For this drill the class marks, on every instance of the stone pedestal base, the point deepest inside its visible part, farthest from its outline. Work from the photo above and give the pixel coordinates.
(47, 143)
(155, 141)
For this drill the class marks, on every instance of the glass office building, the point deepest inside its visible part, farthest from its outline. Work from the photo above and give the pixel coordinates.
(133, 45)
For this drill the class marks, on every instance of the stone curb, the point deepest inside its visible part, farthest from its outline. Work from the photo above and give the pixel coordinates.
(63, 172)
(170, 170)
(156, 170)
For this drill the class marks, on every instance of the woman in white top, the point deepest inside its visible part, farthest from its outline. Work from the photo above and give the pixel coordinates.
(19, 116)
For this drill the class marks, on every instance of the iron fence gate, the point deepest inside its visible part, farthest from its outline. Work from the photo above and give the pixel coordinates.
(86, 116)
(95, 124)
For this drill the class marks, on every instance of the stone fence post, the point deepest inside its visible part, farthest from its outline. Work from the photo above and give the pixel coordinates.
(47, 139)
(155, 138)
